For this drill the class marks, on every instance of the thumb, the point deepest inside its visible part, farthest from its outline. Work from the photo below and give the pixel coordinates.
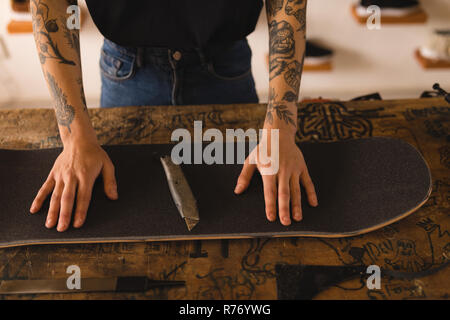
(245, 177)
(109, 181)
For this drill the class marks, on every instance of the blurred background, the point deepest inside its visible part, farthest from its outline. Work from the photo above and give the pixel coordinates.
(364, 61)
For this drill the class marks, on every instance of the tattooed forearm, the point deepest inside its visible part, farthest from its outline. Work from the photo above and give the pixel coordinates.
(293, 75)
(282, 112)
(44, 27)
(290, 96)
(274, 6)
(282, 39)
(287, 27)
(279, 109)
(297, 9)
(58, 46)
(65, 113)
(72, 38)
(282, 46)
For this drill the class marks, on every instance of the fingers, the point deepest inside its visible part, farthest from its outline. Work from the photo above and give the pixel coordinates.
(83, 199)
(245, 177)
(42, 194)
(296, 202)
(55, 201)
(270, 196)
(283, 200)
(67, 200)
(109, 181)
(309, 188)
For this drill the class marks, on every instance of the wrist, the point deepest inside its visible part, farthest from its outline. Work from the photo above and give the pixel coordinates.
(79, 135)
(285, 132)
(282, 115)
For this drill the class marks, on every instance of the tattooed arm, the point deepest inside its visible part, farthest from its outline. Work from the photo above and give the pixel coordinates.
(59, 53)
(287, 34)
(287, 38)
(82, 159)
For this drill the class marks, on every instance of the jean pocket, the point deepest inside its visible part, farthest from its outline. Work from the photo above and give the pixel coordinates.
(117, 65)
(233, 63)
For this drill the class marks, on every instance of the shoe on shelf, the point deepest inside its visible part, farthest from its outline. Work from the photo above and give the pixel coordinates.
(21, 20)
(438, 47)
(20, 5)
(391, 11)
(391, 8)
(436, 53)
(317, 54)
(317, 57)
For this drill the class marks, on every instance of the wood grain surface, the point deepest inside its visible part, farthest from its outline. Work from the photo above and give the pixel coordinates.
(245, 269)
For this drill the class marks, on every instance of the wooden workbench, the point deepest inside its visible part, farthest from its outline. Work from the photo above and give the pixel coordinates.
(244, 269)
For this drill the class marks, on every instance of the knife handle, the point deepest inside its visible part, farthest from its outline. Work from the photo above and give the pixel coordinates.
(132, 284)
(142, 284)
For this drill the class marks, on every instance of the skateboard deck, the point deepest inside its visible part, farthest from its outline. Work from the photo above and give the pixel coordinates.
(362, 185)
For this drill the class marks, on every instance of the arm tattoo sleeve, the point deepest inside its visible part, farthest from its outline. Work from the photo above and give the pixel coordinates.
(64, 112)
(287, 27)
(279, 109)
(282, 112)
(289, 96)
(44, 27)
(281, 47)
(274, 6)
(56, 44)
(295, 8)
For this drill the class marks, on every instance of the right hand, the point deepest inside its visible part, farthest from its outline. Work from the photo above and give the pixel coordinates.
(74, 172)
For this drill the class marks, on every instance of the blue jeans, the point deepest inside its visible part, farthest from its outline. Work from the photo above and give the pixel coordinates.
(159, 76)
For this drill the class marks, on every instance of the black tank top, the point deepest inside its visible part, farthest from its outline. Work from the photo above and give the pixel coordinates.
(175, 23)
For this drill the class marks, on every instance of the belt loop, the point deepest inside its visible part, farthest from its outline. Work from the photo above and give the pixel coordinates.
(140, 57)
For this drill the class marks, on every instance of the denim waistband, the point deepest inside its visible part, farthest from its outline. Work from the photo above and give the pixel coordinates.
(162, 56)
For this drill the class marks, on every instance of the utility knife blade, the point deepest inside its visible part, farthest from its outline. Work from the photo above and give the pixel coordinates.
(181, 193)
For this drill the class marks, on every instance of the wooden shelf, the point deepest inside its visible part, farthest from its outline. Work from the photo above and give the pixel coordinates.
(327, 66)
(416, 17)
(15, 27)
(429, 63)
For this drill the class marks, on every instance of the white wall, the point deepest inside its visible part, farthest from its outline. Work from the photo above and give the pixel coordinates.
(25, 69)
(366, 61)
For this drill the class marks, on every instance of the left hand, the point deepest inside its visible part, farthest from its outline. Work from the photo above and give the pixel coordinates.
(283, 186)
